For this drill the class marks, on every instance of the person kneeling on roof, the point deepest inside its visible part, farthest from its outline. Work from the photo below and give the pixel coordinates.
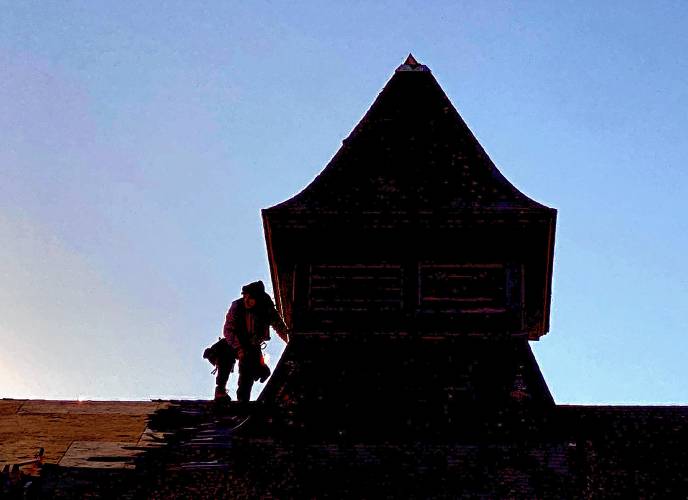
(247, 327)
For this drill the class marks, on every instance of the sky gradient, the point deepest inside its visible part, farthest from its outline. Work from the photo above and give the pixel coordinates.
(141, 140)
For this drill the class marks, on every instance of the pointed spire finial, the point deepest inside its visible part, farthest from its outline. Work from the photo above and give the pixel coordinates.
(410, 64)
(411, 61)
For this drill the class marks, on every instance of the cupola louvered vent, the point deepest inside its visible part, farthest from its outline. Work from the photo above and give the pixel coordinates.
(356, 287)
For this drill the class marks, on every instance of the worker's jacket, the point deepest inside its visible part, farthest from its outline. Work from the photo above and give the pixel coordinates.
(248, 328)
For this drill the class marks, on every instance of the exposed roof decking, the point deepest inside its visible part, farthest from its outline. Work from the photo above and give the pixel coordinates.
(71, 430)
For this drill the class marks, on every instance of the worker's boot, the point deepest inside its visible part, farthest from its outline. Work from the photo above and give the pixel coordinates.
(221, 394)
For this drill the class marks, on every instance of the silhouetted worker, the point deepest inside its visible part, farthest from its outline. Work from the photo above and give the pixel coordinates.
(247, 326)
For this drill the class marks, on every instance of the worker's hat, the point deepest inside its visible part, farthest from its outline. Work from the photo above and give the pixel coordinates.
(255, 289)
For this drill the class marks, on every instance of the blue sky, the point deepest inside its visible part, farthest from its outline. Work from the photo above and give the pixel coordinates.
(140, 141)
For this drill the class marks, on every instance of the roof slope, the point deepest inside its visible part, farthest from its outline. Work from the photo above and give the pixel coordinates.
(577, 452)
(71, 431)
(410, 152)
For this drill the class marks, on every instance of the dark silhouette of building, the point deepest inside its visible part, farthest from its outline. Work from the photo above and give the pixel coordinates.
(413, 276)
